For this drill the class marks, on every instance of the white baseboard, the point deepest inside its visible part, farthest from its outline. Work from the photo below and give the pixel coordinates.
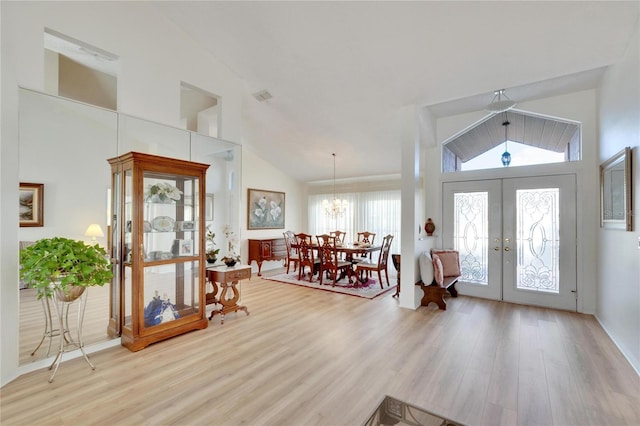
(635, 368)
(45, 363)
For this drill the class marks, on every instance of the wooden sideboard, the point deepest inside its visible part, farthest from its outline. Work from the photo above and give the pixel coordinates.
(267, 249)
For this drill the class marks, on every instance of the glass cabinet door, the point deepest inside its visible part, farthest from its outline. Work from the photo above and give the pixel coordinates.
(170, 248)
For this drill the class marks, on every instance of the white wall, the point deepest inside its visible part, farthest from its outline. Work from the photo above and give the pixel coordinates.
(618, 260)
(258, 174)
(153, 63)
(578, 106)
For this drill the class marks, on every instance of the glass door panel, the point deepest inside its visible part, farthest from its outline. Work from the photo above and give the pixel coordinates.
(537, 239)
(472, 225)
(170, 238)
(539, 230)
(128, 249)
(471, 235)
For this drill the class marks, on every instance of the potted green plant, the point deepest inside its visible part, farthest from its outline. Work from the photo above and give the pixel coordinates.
(211, 251)
(64, 266)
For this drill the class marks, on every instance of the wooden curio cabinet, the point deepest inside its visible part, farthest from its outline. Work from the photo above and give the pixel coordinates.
(157, 249)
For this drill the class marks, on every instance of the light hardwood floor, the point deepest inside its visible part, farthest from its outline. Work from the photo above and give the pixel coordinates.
(308, 357)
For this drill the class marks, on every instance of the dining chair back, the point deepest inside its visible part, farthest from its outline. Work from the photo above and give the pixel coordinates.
(330, 263)
(339, 240)
(292, 252)
(306, 255)
(339, 235)
(366, 237)
(381, 265)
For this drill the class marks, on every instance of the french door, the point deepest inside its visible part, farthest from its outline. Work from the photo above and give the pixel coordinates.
(516, 238)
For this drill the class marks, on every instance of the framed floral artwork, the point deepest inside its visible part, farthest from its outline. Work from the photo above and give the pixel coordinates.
(31, 204)
(265, 209)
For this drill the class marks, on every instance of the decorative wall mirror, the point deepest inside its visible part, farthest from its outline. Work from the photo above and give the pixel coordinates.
(615, 191)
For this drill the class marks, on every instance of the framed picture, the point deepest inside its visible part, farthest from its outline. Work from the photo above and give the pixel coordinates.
(187, 225)
(265, 209)
(31, 204)
(208, 207)
(182, 248)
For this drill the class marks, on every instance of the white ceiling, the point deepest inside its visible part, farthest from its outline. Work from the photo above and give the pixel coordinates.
(339, 71)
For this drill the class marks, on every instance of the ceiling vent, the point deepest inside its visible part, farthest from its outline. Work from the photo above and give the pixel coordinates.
(262, 95)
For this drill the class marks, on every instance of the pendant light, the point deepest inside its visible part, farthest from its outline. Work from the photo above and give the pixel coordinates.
(506, 156)
(336, 207)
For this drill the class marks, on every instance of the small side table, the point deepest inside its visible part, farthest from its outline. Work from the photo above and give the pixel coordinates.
(228, 278)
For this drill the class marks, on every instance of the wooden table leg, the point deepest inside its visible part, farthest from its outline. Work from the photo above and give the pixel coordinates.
(229, 304)
(211, 297)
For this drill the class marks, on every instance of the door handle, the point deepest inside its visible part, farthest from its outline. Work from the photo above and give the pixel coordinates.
(496, 248)
(507, 249)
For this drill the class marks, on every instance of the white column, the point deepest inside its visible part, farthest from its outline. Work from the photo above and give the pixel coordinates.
(412, 205)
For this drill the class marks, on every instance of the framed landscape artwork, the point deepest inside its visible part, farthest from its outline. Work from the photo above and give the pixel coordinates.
(265, 209)
(31, 204)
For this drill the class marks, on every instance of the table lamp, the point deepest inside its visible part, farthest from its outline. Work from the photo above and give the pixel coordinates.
(94, 230)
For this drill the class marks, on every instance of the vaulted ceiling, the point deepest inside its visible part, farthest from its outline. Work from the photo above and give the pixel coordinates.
(339, 72)
(527, 129)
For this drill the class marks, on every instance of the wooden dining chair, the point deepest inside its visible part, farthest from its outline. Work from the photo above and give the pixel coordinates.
(306, 255)
(339, 235)
(367, 267)
(330, 263)
(366, 237)
(292, 252)
(339, 240)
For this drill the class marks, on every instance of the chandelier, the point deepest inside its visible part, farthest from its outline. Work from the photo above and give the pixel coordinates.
(335, 207)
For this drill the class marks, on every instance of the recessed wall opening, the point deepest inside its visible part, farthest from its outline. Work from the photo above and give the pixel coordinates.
(528, 138)
(199, 110)
(79, 71)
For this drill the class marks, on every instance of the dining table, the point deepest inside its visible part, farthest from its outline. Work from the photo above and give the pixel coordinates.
(350, 251)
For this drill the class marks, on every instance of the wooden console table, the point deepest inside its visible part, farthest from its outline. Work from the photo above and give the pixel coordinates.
(266, 249)
(228, 279)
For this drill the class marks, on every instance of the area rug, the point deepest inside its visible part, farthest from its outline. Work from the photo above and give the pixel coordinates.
(368, 290)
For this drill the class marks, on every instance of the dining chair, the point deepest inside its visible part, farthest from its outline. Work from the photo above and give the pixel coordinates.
(368, 267)
(339, 239)
(306, 255)
(330, 262)
(339, 235)
(292, 252)
(366, 237)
